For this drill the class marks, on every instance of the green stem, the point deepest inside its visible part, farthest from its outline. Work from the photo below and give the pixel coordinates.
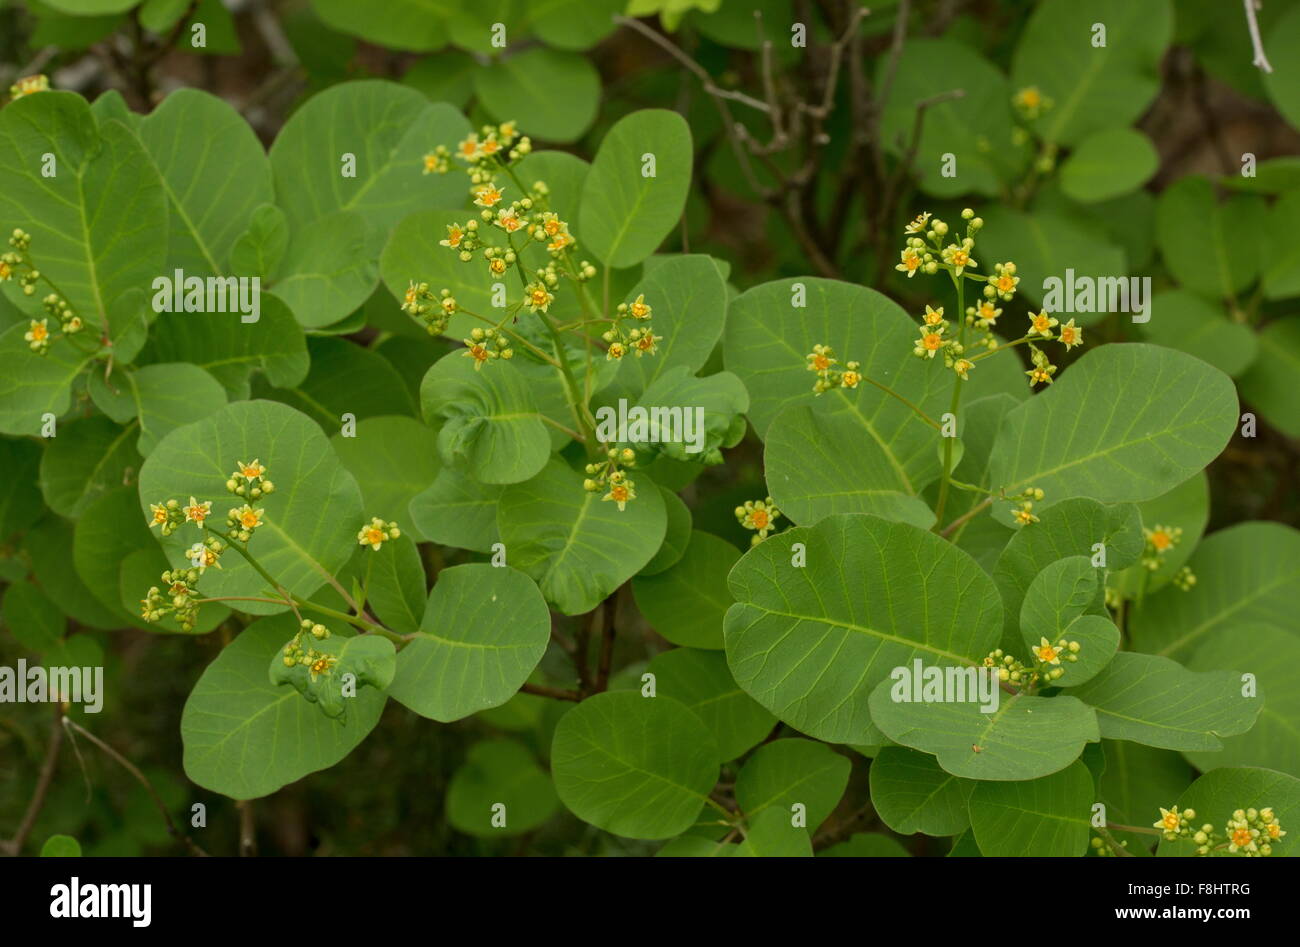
(952, 409)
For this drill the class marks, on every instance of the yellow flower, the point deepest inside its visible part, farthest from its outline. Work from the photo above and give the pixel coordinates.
(918, 223)
(538, 297)
(29, 84)
(509, 220)
(647, 344)
(1025, 515)
(507, 130)
(962, 367)
(850, 379)
(373, 537)
(958, 257)
(1041, 376)
(1047, 653)
(250, 518)
(479, 353)
(1169, 819)
(251, 471)
(1162, 538)
(933, 317)
(454, 236)
(1042, 324)
(560, 241)
(159, 514)
(930, 343)
(322, 665)
(197, 512)
(821, 358)
(38, 335)
(469, 148)
(639, 309)
(6, 271)
(911, 262)
(620, 493)
(616, 351)
(987, 314)
(489, 195)
(1070, 335)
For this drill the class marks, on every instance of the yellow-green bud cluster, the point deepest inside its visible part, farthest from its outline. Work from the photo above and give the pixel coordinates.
(485, 345)
(758, 515)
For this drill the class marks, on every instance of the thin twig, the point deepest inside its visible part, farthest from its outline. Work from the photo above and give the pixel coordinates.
(134, 770)
(1260, 60)
(15, 845)
(247, 829)
(606, 646)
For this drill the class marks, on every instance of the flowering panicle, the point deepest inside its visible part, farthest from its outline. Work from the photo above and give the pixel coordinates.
(822, 361)
(758, 515)
(1044, 667)
(18, 263)
(639, 340)
(484, 345)
(299, 650)
(1249, 832)
(176, 597)
(376, 532)
(611, 475)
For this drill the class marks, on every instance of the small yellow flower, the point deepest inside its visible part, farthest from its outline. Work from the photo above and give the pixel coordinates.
(489, 195)
(28, 85)
(480, 353)
(159, 514)
(821, 358)
(620, 493)
(1042, 324)
(196, 512)
(958, 257)
(930, 343)
(987, 314)
(1047, 652)
(1162, 538)
(38, 332)
(509, 220)
(6, 271)
(507, 130)
(1025, 514)
(250, 518)
(918, 223)
(454, 236)
(560, 241)
(251, 471)
(933, 317)
(639, 308)
(469, 148)
(322, 665)
(910, 262)
(1070, 335)
(647, 344)
(962, 367)
(616, 351)
(851, 379)
(1169, 819)
(1041, 376)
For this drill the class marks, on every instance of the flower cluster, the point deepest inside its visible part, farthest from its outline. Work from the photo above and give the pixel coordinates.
(316, 662)
(822, 361)
(177, 597)
(1159, 540)
(434, 311)
(611, 475)
(1023, 514)
(640, 340)
(1250, 832)
(758, 515)
(374, 533)
(1046, 664)
(28, 85)
(483, 345)
(18, 262)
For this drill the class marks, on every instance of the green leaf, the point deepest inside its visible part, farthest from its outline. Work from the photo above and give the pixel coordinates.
(701, 681)
(49, 545)
(1046, 246)
(394, 578)
(554, 95)
(447, 77)
(1041, 818)
(625, 212)
(772, 834)
(492, 427)
(245, 737)
(389, 129)
(1214, 249)
(483, 632)
(578, 547)
(345, 378)
(1171, 415)
(259, 250)
(95, 224)
(457, 511)
(974, 127)
(1246, 574)
(367, 659)
(785, 773)
(1137, 782)
(573, 24)
(87, 458)
(818, 464)
(21, 503)
(1153, 700)
(1280, 267)
(1198, 326)
(1025, 738)
(33, 385)
(1273, 656)
(61, 846)
(499, 773)
(163, 397)
(394, 459)
(1185, 507)
(34, 621)
(686, 603)
(418, 25)
(1069, 528)
(640, 767)
(1282, 47)
(310, 521)
(213, 181)
(688, 298)
(328, 270)
(139, 568)
(676, 538)
(229, 349)
(1092, 87)
(810, 642)
(1054, 609)
(1270, 383)
(1107, 164)
(1219, 793)
(911, 794)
